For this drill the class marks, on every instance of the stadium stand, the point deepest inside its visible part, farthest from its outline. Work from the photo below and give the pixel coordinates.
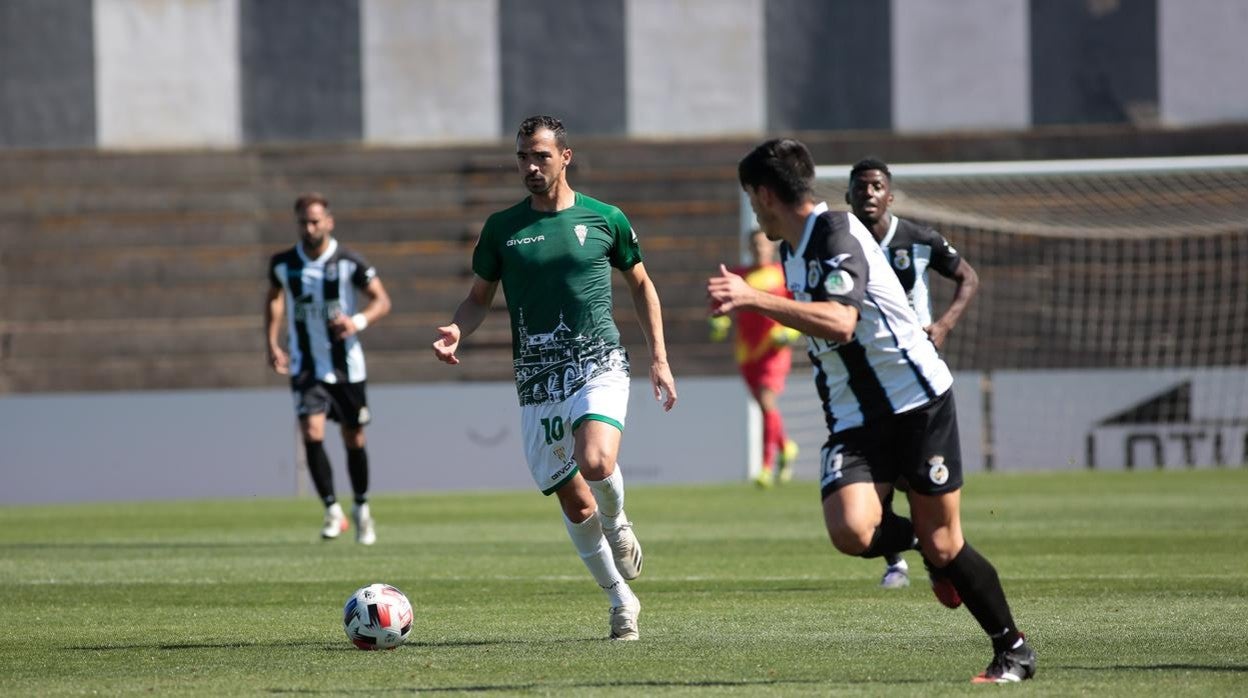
(138, 271)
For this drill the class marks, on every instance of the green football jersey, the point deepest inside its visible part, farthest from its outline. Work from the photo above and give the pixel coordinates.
(555, 270)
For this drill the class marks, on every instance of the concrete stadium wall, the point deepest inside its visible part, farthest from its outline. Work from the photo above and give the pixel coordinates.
(223, 73)
(244, 443)
(464, 436)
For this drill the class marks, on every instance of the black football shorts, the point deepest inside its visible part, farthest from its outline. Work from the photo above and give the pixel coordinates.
(920, 447)
(345, 403)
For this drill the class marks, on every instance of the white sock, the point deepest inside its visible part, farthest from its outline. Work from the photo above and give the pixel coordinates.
(901, 565)
(336, 510)
(609, 493)
(592, 547)
(361, 512)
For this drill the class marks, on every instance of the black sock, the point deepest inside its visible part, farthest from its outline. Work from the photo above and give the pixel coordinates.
(980, 588)
(357, 468)
(318, 468)
(894, 535)
(887, 503)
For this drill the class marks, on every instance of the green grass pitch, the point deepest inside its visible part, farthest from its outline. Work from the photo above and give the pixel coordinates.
(1127, 583)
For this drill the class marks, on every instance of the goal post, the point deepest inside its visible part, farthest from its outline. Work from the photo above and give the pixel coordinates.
(1111, 324)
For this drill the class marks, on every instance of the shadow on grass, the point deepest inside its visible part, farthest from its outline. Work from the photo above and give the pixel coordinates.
(507, 688)
(335, 647)
(198, 646)
(1212, 668)
(154, 545)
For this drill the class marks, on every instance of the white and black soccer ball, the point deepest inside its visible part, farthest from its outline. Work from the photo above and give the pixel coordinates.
(377, 617)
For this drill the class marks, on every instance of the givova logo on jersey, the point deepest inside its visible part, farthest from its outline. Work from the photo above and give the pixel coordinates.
(526, 240)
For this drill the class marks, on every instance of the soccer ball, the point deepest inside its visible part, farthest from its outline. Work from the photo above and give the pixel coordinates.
(377, 617)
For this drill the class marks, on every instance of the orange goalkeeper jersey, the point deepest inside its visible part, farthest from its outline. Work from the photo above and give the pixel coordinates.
(756, 334)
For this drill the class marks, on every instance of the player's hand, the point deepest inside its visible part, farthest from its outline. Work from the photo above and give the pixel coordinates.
(279, 361)
(664, 384)
(448, 342)
(727, 292)
(937, 333)
(342, 326)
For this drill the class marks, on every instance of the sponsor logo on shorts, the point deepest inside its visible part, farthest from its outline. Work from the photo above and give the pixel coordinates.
(937, 471)
(364, 416)
(567, 468)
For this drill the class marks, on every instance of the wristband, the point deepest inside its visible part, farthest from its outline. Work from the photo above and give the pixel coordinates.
(359, 321)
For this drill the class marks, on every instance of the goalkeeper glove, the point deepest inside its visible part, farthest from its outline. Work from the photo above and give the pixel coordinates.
(782, 336)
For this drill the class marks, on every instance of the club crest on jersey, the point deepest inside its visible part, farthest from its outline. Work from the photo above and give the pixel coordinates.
(331, 272)
(901, 259)
(937, 471)
(813, 272)
(581, 231)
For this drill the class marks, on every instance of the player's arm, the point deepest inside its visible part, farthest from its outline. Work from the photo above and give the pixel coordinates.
(468, 317)
(377, 307)
(274, 308)
(829, 319)
(650, 315)
(967, 281)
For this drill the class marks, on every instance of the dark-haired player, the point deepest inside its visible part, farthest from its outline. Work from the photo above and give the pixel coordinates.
(314, 285)
(886, 393)
(553, 253)
(912, 250)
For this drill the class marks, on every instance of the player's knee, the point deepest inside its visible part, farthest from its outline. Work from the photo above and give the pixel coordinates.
(577, 512)
(850, 540)
(596, 463)
(353, 437)
(940, 545)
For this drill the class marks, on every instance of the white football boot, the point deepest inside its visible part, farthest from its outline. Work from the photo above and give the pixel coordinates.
(624, 549)
(335, 522)
(365, 534)
(624, 621)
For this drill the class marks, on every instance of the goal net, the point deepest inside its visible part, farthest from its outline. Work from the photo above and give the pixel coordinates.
(1111, 324)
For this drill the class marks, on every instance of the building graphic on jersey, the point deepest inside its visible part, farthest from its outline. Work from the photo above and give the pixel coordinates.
(553, 365)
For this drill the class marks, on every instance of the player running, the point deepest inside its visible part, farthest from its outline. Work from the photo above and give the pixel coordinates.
(553, 254)
(886, 393)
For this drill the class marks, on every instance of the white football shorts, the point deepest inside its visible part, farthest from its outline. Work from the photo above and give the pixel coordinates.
(547, 429)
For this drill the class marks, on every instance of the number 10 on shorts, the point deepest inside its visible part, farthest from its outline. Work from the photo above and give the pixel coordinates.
(554, 429)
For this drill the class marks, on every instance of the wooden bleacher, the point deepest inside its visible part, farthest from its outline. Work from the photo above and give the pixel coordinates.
(146, 271)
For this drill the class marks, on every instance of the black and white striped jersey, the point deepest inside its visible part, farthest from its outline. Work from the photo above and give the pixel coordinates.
(890, 366)
(318, 290)
(912, 250)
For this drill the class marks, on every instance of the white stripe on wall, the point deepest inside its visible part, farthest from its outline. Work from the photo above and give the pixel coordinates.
(1202, 55)
(695, 67)
(958, 64)
(431, 70)
(166, 73)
